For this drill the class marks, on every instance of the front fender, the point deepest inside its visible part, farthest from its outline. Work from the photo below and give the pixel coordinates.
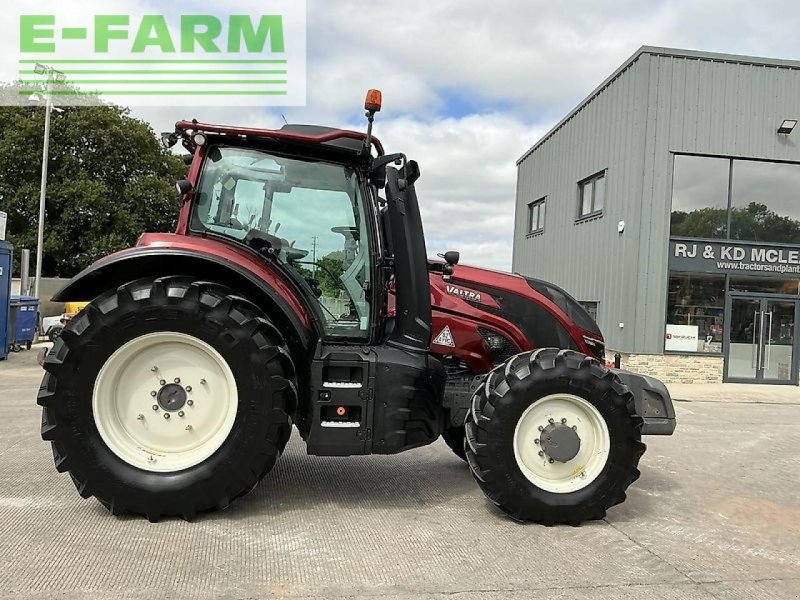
(260, 283)
(652, 401)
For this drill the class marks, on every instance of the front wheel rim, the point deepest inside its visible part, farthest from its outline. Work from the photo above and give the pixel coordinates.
(573, 474)
(165, 401)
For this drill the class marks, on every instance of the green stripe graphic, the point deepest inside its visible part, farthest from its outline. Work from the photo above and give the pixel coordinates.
(50, 60)
(111, 67)
(162, 81)
(161, 72)
(163, 92)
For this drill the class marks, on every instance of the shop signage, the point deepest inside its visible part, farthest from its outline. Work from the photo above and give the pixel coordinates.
(727, 257)
(681, 338)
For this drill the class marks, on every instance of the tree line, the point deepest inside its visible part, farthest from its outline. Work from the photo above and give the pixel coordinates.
(109, 180)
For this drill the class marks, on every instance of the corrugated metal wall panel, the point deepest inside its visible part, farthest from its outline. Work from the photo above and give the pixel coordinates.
(589, 259)
(662, 103)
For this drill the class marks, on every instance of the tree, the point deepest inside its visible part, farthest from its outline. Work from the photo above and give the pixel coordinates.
(702, 223)
(329, 272)
(109, 180)
(754, 222)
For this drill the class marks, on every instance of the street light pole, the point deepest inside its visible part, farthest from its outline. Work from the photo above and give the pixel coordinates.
(43, 187)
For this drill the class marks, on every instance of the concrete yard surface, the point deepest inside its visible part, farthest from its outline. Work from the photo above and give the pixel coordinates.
(736, 392)
(715, 515)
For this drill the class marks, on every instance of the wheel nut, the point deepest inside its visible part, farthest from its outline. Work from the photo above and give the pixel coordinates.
(180, 413)
(177, 380)
(188, 388)
(551, 461)
(551, 421)
(155, 406)
(154, 393)
(162, 382)
(166, 415)
(574, 428)
(190, 402)
(563, 421)
(536, 441)
(541, 428)
(541, 453)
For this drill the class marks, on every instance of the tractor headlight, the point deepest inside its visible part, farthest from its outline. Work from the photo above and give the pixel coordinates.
(495, 341)
(500, 347)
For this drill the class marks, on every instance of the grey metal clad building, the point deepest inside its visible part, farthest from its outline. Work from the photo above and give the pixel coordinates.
(668, 203)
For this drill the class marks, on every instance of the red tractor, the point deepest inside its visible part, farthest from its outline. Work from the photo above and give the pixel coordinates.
(296, 291)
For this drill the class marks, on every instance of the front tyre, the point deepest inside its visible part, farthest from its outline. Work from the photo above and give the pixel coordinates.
(551, 438)
(168, 397)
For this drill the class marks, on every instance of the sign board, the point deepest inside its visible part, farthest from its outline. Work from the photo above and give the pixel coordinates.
(733, 257)
(681, 338)
(3, 221)
(231, 54)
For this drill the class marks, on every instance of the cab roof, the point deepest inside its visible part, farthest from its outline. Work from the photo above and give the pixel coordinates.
(341, 139)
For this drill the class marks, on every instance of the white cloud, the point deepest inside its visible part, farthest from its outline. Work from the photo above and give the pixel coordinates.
(466, 190)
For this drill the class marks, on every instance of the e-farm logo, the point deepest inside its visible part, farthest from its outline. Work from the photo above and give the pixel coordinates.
(231, 59)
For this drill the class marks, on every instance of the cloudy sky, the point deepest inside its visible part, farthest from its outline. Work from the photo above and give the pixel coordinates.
(468, 86)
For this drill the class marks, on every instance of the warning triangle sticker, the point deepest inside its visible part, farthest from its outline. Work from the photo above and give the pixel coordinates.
(445, 338)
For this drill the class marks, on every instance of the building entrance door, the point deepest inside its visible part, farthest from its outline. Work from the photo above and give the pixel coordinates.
(761, 344)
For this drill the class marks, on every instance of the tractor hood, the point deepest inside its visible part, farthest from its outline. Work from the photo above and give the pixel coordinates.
(547, 315)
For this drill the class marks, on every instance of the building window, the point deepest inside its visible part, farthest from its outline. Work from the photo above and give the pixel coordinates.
(695, 313)
(748, 200)
(590, 307)
(536, 216)
(765, 202)
(700, 197)
(592, 195)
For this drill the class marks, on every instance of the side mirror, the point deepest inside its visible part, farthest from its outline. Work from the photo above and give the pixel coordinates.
(451, 257)
(184, 186)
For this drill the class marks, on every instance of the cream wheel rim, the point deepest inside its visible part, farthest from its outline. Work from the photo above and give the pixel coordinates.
(165, 401)
(571, 417)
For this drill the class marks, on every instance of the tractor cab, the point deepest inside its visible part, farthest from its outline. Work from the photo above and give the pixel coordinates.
(310, 217)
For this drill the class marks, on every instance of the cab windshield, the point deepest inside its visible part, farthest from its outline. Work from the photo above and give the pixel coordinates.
(309, 215)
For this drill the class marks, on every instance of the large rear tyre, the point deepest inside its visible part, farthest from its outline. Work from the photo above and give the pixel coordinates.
(167, 397)
(552, 438)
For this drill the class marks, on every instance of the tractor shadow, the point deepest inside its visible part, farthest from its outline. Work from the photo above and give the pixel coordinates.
(422, 477)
